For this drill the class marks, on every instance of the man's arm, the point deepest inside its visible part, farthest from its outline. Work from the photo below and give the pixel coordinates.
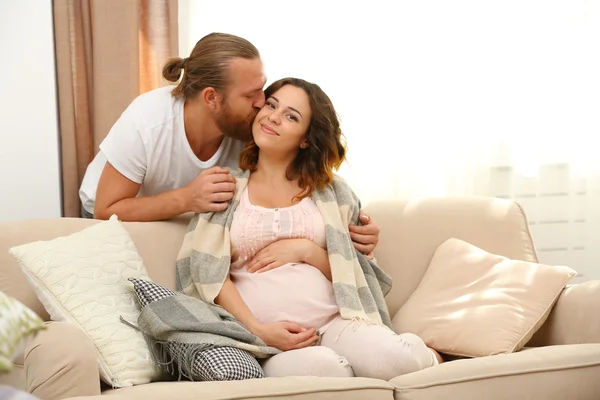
(116, 194)
(211, 190)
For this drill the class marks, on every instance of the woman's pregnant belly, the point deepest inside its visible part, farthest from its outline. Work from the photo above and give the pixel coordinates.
(293, 292)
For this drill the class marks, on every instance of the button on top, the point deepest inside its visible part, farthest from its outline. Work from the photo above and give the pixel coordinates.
(277, 209)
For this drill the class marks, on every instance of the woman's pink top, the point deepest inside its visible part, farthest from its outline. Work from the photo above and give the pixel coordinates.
(294, 292)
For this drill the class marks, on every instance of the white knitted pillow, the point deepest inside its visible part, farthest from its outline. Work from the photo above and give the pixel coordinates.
(82, 279)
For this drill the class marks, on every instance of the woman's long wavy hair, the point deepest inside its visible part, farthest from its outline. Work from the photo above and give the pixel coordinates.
(313, 166)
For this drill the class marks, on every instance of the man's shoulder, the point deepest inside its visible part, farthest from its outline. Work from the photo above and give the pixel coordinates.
(161, 94)
(156, 106)
(149, 117)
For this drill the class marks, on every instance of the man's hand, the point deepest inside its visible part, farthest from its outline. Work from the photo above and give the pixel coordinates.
(279, 253)
(211, 190)
(286, 335)
(365, 237)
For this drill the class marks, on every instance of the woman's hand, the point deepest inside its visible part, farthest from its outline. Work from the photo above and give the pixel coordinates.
(365, 237)
(279, 253)
(286, 335)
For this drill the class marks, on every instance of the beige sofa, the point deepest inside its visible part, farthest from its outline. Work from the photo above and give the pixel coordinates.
(562, 361)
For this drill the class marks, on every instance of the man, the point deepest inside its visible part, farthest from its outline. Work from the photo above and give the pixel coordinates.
(165, 155)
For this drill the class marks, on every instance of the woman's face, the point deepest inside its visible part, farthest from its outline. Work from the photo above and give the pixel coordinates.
(281, 125)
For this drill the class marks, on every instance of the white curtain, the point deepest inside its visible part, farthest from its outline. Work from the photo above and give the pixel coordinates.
(444, 98)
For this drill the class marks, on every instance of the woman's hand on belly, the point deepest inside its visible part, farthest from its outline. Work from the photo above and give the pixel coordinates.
(286, 335)
(281, 252)
(288, 251)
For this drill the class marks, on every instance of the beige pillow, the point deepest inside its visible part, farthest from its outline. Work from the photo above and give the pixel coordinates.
(472, 303)
(82, 279)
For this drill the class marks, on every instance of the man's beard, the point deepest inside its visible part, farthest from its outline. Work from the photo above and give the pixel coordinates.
(234, 126)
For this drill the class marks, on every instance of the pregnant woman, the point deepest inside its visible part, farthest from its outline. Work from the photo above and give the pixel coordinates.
(295, 281)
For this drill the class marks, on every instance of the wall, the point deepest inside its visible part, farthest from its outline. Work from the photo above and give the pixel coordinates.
(29, 147)
(433, 95)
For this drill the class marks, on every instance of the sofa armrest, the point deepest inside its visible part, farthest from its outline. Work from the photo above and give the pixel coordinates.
(412, 231)
(575, 318)
(60, 362)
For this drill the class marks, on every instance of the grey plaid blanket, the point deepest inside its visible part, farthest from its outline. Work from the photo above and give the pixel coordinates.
(204, 260)
(188, 320)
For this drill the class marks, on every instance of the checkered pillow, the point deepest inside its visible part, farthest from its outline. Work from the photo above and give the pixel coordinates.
(149, 292)
(217, 364)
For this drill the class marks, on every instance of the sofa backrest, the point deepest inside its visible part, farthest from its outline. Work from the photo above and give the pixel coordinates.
(157, 243)
(412, 231)
(410, 234)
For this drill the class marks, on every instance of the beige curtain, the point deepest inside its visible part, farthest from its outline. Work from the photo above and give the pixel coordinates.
(107, 53)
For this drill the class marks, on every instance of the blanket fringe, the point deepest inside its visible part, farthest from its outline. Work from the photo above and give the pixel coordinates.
(177, 362)
(123, 320)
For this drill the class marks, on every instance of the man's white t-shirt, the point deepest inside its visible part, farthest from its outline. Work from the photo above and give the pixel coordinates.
(148, 145)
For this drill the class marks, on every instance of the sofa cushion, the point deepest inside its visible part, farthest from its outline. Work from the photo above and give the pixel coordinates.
(473, 303)
(575, 318)
(549, 373)
(17, 322)
(216, 364)
(82, 279)
(289, 388)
